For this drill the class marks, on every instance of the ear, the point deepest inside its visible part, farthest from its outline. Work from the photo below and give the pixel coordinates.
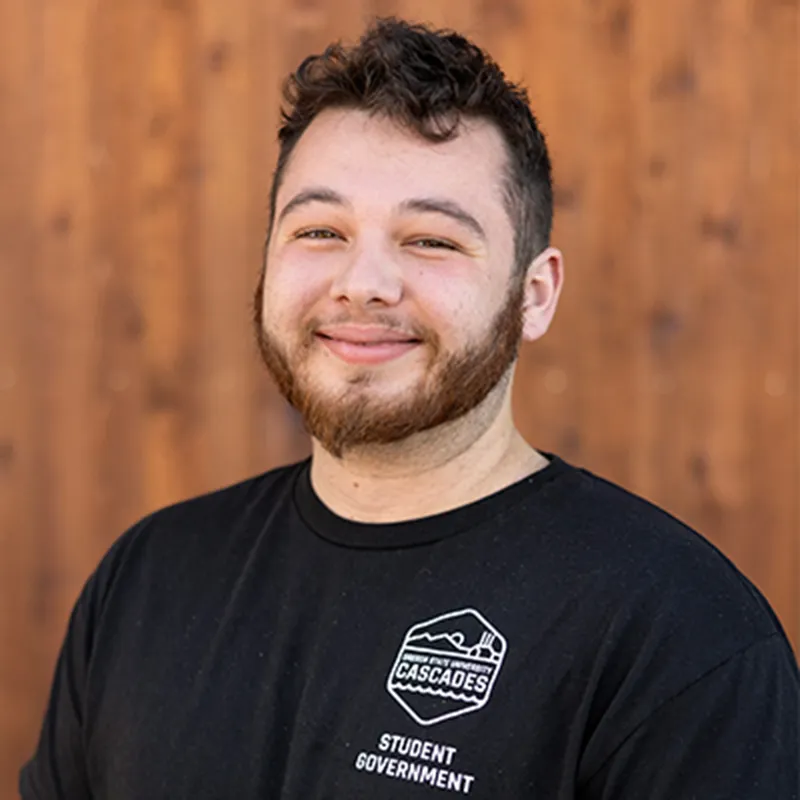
(543, 281)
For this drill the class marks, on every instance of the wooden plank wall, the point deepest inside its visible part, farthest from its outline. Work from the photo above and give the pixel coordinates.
(136, 154)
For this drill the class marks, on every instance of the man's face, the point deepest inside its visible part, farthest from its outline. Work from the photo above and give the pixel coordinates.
(388, 305)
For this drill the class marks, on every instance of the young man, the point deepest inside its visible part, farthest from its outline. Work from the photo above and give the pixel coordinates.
(428, 604)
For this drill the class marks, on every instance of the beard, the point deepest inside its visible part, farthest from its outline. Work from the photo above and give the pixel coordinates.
(455, 383)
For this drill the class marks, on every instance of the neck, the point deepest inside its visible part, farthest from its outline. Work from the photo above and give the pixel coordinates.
(430, 472)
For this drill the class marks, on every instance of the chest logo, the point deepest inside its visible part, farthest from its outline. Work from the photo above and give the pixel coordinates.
(447, 666)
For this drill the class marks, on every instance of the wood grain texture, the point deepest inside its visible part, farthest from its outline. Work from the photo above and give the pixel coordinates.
(22, 656)
(138, 141)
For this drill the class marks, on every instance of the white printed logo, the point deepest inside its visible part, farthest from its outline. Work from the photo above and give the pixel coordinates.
(447, 666)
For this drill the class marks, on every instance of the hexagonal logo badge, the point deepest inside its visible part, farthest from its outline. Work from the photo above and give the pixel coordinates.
(447, 666)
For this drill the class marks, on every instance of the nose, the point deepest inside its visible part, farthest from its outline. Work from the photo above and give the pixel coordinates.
(368, 276)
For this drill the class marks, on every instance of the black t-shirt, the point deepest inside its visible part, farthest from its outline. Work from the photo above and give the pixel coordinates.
(558, 639)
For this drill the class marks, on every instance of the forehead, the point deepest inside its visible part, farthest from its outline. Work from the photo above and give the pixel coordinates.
(371, 157)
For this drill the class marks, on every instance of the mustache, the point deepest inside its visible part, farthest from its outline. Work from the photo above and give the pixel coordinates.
(409, 328)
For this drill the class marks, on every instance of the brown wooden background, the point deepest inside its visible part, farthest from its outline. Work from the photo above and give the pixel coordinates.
(136, 153)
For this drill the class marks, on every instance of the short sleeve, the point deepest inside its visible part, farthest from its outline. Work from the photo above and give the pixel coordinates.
(57, 769)
(730, 735)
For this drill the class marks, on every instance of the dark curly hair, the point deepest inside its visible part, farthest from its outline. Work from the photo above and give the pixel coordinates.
(426, 80)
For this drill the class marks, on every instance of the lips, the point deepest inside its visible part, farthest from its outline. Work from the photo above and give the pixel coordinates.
(365, 336)
(366, 345)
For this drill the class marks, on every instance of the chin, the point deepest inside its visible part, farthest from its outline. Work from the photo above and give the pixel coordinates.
(390, 374)
(364, 387)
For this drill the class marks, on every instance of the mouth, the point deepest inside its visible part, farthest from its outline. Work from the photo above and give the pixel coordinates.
(367, 343)
(367, 352)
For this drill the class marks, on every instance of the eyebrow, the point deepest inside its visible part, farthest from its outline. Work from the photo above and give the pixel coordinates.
(312, 195)
(449, 208)
(427, 205)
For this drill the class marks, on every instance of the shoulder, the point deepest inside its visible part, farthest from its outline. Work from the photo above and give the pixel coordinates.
(208, 528)
(651, 546)
(646, 579)
(653, 606)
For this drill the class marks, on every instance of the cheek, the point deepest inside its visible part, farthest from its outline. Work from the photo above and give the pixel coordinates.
(457, 310)
(287, 297)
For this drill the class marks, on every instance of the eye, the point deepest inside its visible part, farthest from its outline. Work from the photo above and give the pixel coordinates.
(317, 234)
(430, 243)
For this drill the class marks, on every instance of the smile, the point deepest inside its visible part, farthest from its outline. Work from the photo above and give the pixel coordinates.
(367, 352)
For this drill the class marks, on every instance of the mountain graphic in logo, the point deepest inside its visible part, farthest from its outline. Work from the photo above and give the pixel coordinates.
(447, 666)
